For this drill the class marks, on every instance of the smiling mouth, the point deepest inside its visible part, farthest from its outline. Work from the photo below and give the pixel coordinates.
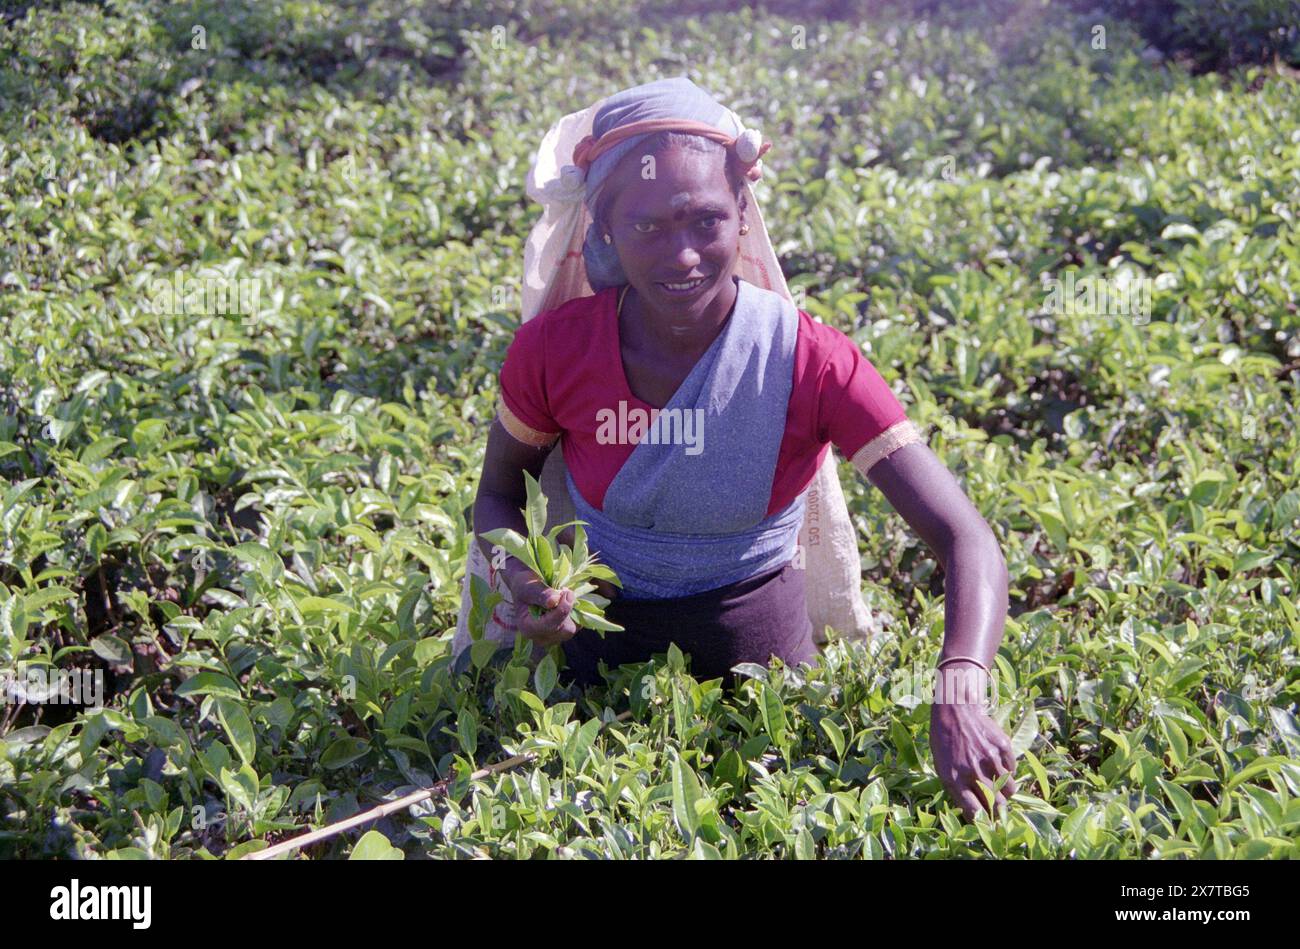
(686, 286)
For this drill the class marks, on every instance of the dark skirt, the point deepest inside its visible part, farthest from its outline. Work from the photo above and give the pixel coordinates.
(750, 621)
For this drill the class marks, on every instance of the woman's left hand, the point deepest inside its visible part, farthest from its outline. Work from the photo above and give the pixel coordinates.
(970, 748)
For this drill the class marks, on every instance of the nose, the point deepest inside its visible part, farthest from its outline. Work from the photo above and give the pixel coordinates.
(683, 252)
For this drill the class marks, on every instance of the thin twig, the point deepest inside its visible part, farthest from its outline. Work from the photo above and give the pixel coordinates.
(103, 588)
(383, 810)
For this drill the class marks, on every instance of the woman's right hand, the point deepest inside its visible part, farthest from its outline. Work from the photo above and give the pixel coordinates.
(555, 624)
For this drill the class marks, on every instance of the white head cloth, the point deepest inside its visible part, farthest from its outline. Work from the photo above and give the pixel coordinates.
(554, 267)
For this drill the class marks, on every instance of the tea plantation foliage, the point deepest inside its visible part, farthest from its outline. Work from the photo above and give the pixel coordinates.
(250, 517)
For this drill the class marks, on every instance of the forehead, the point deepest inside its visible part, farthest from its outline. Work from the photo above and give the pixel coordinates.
(684, 182)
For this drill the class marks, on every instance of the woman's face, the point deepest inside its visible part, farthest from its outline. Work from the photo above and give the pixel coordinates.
(676, 225)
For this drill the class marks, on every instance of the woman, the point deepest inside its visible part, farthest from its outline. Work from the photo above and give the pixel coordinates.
(693, 408)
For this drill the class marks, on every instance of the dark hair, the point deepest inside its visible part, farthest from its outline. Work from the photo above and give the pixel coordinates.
(661, 141)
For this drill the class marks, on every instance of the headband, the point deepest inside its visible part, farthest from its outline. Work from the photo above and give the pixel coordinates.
(748, 146)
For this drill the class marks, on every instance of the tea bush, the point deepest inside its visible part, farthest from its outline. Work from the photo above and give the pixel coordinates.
(1218, 34)
(251, 519)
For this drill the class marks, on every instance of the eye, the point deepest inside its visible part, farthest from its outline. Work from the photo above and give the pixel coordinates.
(638, 227)
(715, 219)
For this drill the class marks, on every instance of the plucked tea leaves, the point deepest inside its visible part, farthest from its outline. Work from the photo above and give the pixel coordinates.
(559, 566)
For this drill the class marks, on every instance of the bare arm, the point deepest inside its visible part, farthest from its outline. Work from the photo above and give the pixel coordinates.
(499, 503)
(501, 493)
(969, 748)
(925, 493)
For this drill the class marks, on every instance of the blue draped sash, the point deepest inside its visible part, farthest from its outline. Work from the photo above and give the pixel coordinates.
(681, 519)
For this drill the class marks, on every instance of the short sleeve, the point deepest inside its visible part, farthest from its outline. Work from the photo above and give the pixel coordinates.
(857, 411)
(523, 408)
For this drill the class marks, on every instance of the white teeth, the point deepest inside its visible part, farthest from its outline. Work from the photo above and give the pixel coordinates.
(684, 286)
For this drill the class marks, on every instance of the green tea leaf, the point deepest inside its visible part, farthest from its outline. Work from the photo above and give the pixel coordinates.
(375, 846)
(238, 727)
(544, 677)
(545, 558)
(515, 545)
(535, 509)
(578, 748)
(835, 734)
(1025, 733)
(774, 720)
(467, 731)
(589, 615)
(112, 650)
(686, 792)
(209, 683)
(343, 752)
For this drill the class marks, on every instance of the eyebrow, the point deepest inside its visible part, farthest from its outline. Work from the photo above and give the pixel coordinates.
(697, 210)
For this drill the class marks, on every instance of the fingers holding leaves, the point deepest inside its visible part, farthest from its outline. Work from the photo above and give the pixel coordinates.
(974, 759)
(1008, 757)
(550, 620)
(1001, 759)
(969, 802)
(996, 768)
(568, 567)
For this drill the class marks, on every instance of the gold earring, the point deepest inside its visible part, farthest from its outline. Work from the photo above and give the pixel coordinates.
(744, 228)
(608, 239)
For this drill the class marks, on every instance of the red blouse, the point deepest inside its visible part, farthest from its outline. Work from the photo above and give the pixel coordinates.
(564, 366)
